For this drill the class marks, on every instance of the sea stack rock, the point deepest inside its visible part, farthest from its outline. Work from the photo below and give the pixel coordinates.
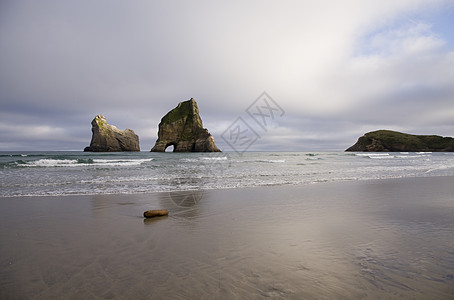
(182, 127)
(108, 138)
(392, 141)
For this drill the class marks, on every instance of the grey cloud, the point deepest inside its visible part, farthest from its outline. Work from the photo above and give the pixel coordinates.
(63, 62)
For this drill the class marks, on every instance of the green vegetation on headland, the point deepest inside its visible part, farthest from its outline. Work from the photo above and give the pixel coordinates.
(393, 141)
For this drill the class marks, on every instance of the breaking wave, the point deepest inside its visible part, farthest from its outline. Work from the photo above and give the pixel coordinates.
(67, 173)
(82, 162)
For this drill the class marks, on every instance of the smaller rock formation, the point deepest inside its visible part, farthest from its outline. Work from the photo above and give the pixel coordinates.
(393, 141)
(182, 128)
(108, 138)
(155, 213)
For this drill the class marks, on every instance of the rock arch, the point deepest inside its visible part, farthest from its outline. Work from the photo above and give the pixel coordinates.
(182, 127)
(170, 144)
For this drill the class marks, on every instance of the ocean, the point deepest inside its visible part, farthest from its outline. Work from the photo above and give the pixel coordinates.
(84, 173)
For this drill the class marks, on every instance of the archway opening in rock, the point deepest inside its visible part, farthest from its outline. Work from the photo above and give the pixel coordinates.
(170, 147)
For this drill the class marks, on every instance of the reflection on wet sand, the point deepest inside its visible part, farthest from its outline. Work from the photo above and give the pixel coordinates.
(151, 221)
(187, 203)
(364, 240)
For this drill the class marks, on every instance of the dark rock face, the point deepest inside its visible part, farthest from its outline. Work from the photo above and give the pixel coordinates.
(182, 127)
(392, 141)
(108, 138)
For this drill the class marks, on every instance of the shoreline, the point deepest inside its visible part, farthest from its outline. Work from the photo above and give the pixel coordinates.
(381, 238)
(236, 188)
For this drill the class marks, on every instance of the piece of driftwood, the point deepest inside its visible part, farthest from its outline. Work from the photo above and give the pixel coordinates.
(155, 213)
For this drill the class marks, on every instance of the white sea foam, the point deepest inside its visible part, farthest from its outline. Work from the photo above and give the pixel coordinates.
(51, 163)
(262, 161)
(443, 167)
(272, 161)
(215, 158)
(80, 173)
(313, 158)
(372, 154)
(189, 159)
(375, 155)
(121, 162)
(45, 162)
(409, 156)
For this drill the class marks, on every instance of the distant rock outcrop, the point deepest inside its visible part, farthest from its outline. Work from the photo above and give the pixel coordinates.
(108, 138)
(182, 128)
(392, 141)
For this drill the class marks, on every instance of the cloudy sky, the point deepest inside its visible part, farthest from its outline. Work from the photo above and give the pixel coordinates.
(338, 69)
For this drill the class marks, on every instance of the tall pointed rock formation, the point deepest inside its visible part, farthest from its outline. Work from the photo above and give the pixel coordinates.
(182, 128)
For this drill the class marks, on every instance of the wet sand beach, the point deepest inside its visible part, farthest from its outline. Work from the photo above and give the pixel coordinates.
(378, 239)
